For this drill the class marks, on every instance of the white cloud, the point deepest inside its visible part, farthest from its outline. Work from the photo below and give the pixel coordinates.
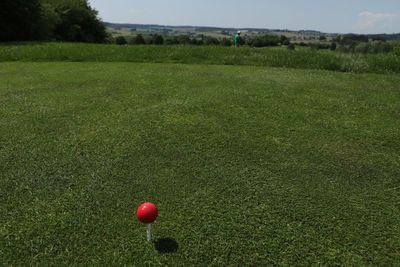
(371, 20)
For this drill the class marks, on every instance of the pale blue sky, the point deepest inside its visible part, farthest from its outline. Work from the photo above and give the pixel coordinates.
(343, 16)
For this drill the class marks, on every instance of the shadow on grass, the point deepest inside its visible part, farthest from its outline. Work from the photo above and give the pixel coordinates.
(166, 245)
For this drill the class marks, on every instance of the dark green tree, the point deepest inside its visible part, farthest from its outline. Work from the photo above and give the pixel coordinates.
(284, 40)
(265, 40)
(226, 42)
(211, 41)
(184, 39)
(20, 20)
(78, 22)
(138, 40)
(158, 40)
(120, 40)
(172, 41)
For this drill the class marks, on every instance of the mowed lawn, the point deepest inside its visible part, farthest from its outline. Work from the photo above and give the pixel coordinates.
(249, 166)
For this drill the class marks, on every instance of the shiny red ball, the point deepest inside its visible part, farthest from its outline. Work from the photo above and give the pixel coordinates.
(147, 213)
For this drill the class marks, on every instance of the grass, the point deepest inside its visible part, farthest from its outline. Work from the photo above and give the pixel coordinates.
(250, 166)
(272, 57)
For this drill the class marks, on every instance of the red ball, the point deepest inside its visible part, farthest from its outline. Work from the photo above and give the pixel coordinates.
(147, 213)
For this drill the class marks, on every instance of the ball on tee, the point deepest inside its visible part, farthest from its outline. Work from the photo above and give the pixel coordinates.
(147, 213)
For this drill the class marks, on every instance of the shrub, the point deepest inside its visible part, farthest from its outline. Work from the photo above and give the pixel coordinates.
(291, 47)
(381, 47)
(265, 40)
(362, 48)
(138, 40)
(172, 41)
(284, 40)
(158, 40)
(211, 41)
(226, 42)
(120, 40)
(195, 41)
(184, 39)
(343, 48)
(320, 46)
(396, 49)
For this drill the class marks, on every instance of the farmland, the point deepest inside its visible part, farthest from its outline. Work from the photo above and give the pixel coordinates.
(250, 164)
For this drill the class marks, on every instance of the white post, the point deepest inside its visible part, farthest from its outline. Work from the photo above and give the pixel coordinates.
(148, 228)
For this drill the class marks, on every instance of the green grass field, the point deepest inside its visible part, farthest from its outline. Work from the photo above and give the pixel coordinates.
(216, 55)
(250, 166)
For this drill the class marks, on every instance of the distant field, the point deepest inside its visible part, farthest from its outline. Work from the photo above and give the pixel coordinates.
(250, 166)
(272, 57)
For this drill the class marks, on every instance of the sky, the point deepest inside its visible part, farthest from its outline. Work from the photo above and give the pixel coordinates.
(331, 16)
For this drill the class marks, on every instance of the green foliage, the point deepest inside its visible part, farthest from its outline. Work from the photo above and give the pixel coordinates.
(138, 40)
(195, 41)
(264, 40)
(396, 48)
(226, 42)
(79, 22)
(320, 46)
(172, 41)
(362, 48)
(211, 41)
(20, 20)
(250, 166)
(120, 40)
(352, 39)
(276, 57)
(157, 40)
(374, 47)
(184, 40)
(291, 47)
(333, 46)
(284, 40)
(49, 21)
(381, 47)
(64, 20)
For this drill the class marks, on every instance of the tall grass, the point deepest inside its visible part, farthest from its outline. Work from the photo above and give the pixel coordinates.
(275, 57)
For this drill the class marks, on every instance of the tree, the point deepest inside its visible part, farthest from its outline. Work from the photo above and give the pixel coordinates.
(49, 19)
(333, 46)
(284, 40)
(226, 42)
(396, 48)
(195, 41)
(158, 40)
(291, 47)
(265, 40)
(120, 40)
(138, 40)
(322, 38)
(211, 41)
(362, 48)
(172, 41)
(380, 47)
(20, 20)
(78, 21)
(184, 39)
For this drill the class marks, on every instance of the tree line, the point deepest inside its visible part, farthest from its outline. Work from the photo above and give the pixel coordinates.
(44, 20)
(345, 43)
(156, 39)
